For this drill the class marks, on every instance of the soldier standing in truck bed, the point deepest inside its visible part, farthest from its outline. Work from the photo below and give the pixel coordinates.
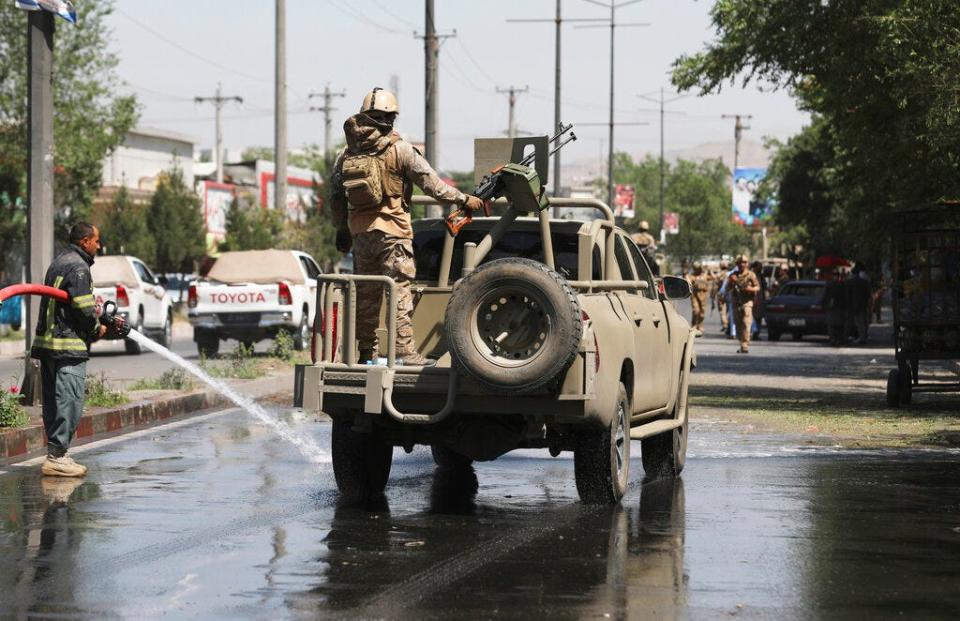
(371, 188)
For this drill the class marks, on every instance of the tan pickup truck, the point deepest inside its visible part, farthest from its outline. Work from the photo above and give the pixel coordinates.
(547, 334)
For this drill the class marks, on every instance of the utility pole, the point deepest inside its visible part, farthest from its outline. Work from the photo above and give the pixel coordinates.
(558, 22)
(431, 51)
(40, 29)
(327, 109)
(613, 24)
(280, 112)
(512, 93)
(663, 102)
(218, 100)
(738, 128)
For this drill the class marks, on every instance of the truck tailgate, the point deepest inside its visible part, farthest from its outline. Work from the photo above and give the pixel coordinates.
(237, 298)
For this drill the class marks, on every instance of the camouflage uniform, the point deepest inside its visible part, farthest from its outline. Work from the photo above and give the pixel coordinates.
(383, 236)
(700, 288)
(721, 301)
(644, 239)
(743, 306)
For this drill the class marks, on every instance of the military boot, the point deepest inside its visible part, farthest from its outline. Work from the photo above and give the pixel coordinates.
(413, 359)
(62, 466)
(367, 355)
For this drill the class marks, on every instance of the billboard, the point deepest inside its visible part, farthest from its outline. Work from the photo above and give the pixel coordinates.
(623, 201)
(747, 209)
(217, 198)
(671, 222)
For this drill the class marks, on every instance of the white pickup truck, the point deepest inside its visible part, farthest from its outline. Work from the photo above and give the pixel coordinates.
(140, 298)
(252, 295)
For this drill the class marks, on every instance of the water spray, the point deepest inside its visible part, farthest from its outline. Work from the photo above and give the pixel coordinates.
(108, 317)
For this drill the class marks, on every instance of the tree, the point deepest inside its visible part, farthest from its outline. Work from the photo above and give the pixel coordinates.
(176, 223)
(251, 227)
(13, 224)
(698, 192)
(880, 76)
(90, 120)
(123, 227)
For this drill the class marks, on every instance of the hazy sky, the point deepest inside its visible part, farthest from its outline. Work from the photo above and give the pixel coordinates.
(176, 49)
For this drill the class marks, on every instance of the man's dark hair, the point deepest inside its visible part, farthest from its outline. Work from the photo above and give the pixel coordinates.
(80, 231)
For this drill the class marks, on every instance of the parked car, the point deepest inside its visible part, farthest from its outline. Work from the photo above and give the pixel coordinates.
(177, 285)
(252, 295)
(141, 299)
(797, 309)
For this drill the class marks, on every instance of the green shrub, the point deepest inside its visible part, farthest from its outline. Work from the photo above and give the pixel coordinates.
(100, 394)
(282, 347)
(172, 379)
(12, 413)
(241, 365)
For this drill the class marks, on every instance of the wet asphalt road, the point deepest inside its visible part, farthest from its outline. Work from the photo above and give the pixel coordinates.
(214, 518)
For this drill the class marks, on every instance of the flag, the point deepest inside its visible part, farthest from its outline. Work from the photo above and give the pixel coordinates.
(63, 8)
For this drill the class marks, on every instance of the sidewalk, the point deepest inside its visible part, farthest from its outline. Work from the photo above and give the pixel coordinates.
(152, 407)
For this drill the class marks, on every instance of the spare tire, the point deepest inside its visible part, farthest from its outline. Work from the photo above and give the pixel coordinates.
(513, 325)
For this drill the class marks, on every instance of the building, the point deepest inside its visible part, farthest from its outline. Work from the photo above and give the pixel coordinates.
(144, 155)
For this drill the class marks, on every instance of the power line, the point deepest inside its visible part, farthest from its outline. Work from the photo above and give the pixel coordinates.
(384, 8)
(512, 93)
(327, 110)
(363, 19)
(188, 51)
(218, 101)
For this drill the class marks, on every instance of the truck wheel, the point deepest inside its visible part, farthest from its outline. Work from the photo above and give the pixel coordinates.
(513, 325)
(132, 347)
(166, 335)
(208, 345)
(301, 338)
(665, 454)
(601, 458)
(447, 458)
(361, 461)
(893, 388)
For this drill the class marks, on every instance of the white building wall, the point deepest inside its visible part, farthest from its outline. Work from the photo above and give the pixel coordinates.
(145, 154)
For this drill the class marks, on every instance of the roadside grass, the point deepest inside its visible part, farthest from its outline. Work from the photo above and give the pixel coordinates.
(101, 395)
(243, 363)
(172, 379)
(12, 413)
(855, 427)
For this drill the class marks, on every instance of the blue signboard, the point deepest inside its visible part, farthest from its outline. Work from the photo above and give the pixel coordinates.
(63, 8)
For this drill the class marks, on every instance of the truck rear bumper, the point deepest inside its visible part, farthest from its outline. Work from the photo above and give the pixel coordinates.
(418, 396)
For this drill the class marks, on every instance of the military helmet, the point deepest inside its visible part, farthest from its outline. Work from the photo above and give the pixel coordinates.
(379, 99)
(644, 226)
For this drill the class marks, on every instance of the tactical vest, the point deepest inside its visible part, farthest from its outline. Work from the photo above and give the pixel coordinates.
(370, 180)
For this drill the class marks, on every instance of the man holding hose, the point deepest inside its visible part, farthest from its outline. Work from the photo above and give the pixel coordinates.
(62, 345)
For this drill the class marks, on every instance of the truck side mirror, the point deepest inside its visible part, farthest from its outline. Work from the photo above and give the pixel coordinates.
(676, 288)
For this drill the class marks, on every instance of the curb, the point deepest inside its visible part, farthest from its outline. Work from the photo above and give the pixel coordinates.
(25, 442)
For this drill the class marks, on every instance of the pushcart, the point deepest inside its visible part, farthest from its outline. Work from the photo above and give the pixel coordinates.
(926, 300)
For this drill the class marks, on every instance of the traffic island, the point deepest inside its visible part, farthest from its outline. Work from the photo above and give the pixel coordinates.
(147, 408)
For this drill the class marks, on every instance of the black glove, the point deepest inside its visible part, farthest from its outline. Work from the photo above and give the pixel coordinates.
(344, 241)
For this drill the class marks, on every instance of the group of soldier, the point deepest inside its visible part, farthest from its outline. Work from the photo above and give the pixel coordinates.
(738, 287)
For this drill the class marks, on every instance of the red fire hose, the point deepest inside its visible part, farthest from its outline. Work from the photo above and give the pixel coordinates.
(30, 289)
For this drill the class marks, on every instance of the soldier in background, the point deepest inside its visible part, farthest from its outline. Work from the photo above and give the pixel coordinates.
(721, 298)
(644, 239)
(371, 188)
(745, 286)
(700, 288)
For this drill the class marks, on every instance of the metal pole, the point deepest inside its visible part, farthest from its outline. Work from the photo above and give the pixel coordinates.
(327, 110)
(218, 106)
(280, 118)
(556, 108)
(660, 226)
(511, 124)
(610, 192)
(431, 50)
(40, 31)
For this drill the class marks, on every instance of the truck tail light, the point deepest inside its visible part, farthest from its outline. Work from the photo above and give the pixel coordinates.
(192, 296)
(283, 293)
(122, 298)
(334, 314)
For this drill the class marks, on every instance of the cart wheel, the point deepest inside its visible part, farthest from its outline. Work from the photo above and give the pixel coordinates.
(893, 388)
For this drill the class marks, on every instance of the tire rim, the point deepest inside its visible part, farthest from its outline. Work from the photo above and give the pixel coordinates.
(620, 439)
(511, 326)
